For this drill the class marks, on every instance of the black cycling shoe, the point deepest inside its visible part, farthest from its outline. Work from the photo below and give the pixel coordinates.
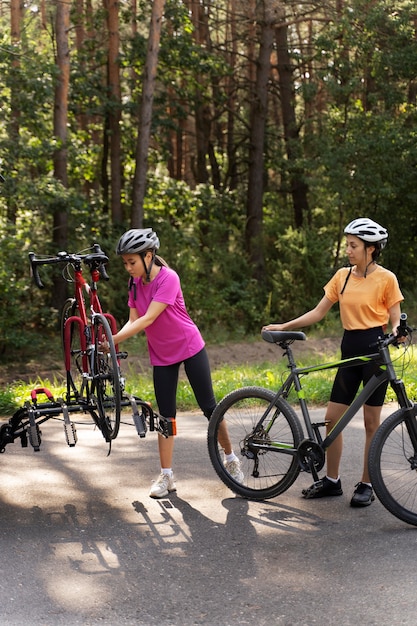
(362, 496)
(323, 488)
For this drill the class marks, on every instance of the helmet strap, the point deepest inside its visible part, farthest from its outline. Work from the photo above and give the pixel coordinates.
(372, 259)
(132, 284)
(347, 278)
(366, 268)
(149, 268)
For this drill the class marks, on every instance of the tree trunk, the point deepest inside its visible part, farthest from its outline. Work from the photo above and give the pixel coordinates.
(412, 88)
(145, 121)
(14, 127)
(291, 133)
(232, 176)
(203, 116)
(60, 219)
(114, 112)
(258, 115)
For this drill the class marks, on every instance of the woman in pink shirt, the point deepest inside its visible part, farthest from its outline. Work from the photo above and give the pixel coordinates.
(157, 307)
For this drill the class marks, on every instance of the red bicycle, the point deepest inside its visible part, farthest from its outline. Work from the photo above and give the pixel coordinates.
(93, 380)
(92, 363)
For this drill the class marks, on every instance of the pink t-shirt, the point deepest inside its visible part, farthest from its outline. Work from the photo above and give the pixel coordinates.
(173, 336)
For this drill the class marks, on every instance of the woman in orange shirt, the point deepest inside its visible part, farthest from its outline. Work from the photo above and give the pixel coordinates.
(369, 296)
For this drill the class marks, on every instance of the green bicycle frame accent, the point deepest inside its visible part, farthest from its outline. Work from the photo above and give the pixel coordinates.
(386, 374)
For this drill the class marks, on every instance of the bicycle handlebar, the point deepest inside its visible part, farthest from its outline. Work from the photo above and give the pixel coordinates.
(403, 330)
(94, 260)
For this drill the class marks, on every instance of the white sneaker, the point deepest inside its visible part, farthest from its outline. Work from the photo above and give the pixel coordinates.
(235, 471)
(162, 486)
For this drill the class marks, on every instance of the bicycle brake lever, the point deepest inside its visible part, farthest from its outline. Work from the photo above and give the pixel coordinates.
(35, 272)
(103, 273)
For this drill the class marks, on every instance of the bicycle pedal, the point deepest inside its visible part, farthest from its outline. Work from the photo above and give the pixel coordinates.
(70, 434)
(34, 437)
(140, 424)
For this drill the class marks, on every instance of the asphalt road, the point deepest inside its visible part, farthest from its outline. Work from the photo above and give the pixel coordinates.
(82, 543)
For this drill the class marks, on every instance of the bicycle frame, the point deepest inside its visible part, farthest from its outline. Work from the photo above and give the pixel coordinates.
(387, 374)
(81, 320)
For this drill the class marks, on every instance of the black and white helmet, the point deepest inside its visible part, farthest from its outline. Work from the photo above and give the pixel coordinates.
(137, 240)
(368, 230)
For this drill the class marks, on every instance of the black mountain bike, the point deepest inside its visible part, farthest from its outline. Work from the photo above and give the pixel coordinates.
(273, 446)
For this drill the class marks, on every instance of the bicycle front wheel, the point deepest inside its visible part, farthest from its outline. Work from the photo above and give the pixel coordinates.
(264, 439)
(105, 387)
(393, 465)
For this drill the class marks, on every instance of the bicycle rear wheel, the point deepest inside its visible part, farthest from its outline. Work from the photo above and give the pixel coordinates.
(268, 471)
(105, 386)
(393, 465)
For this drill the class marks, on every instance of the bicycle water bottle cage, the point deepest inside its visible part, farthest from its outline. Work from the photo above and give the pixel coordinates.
(279, 336)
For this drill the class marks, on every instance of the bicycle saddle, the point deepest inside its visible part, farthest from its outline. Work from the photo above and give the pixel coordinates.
(277, 336)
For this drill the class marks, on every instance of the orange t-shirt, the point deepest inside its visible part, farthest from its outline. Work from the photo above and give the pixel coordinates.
(365, 302)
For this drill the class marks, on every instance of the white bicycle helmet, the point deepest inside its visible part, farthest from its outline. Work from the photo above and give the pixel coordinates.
(368, 230)
(137, 240)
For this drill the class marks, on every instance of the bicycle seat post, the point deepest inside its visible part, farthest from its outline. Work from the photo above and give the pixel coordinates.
(286, 346)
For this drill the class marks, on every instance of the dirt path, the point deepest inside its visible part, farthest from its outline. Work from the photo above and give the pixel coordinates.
(238, 353)
(261, 352)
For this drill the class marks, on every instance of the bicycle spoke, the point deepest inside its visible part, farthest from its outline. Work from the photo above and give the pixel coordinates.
(267, 467)
(106, 378)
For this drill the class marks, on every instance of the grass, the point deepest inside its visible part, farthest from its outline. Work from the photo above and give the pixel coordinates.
(225, 379)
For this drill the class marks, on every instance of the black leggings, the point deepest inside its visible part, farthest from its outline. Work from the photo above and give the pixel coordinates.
(165, 380)
(348, 379)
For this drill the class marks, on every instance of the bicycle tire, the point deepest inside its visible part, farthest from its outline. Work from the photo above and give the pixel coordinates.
(65, 314)
(393, 476)
(76, 384)
(105, 385)
(241, 410)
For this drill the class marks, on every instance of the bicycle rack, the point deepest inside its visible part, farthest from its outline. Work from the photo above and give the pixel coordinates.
(26, 421)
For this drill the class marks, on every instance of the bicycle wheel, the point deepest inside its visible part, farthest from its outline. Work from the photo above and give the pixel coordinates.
(269, 471)
(392, 467)
(71, 341)
(105, 386)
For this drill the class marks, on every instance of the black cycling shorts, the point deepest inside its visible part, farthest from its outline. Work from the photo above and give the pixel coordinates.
(197, 369)
(348, 379)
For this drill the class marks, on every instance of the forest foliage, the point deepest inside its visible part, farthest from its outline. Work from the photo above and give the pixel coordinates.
(273, 125)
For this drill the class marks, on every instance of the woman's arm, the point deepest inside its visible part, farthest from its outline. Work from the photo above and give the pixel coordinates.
(311, 317)
(394, 316)
(136, 324)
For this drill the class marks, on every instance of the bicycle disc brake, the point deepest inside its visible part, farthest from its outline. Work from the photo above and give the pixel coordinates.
(311, 456)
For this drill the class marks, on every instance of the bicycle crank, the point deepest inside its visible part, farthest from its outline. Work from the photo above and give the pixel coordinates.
(311, 456)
